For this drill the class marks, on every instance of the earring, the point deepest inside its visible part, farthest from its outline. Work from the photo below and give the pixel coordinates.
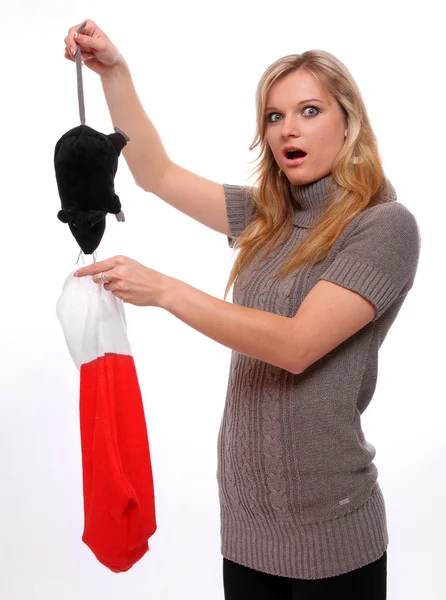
(345, 133)
(280, 173)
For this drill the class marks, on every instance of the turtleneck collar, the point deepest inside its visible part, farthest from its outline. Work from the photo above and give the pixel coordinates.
(309, 200)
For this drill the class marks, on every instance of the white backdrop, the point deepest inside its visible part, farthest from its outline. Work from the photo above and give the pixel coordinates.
(196, 65)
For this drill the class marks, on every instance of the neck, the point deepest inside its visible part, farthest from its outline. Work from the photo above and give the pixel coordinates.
(310, 200)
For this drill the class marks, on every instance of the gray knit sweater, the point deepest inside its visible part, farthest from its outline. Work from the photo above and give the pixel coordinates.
(298, 488)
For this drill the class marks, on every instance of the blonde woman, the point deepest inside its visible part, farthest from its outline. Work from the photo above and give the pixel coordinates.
(326, 257)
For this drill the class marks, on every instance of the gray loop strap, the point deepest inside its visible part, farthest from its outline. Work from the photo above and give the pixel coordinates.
(80, 86)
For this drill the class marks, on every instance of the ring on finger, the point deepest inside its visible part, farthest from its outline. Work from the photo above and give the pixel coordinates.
(102, 278)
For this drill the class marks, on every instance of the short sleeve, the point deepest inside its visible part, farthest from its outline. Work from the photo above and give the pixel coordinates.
(379, 257)
(239, 209)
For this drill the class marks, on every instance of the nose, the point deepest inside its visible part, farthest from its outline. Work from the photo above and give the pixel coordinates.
(290, 127)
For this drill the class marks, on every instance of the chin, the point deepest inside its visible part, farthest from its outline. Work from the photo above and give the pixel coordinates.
(302, 178)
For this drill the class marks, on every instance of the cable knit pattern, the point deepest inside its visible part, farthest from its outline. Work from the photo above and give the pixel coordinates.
(273, 460)
(298, 487)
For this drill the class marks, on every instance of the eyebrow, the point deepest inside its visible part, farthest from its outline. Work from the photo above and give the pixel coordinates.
(299, 103)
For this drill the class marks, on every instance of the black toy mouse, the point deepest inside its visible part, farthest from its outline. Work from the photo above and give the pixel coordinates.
(86, 161)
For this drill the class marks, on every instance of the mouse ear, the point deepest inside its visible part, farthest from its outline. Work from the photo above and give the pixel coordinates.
(119, 139)
(65, 215)
(116, 209)
(115, 206)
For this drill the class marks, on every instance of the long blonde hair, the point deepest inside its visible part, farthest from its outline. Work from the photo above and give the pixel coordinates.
(357, 170)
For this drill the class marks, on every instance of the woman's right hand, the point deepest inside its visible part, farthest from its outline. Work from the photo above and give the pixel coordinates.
(98, 52)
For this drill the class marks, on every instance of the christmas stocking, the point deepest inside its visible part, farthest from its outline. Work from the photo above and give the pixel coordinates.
(119, 504)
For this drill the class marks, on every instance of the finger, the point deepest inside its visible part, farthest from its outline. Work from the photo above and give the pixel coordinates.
(112, 287)
(84, 56)
(69, 56)
(72, 52)
(89, 30)
(98, 278)
(87, 56)
(86, 27)
(70, 49)
(69, 40)
(89, 27)
(95, 268)
(90, 43)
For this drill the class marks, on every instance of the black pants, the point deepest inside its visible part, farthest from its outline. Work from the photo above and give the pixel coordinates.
(367, 583)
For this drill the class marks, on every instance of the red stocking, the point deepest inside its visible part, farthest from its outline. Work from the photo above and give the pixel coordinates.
(119, 503)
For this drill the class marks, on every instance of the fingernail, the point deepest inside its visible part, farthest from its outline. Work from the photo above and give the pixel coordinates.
(76, 34)
(76, 274)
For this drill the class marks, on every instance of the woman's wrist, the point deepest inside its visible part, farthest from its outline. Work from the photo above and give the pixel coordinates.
(119, 70)
(168, 289)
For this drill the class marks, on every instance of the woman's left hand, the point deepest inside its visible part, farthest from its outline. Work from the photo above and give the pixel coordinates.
(128, 280)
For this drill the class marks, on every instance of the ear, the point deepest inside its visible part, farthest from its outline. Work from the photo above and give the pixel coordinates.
(115, 205)
(122, 132)
(118, 141)
(65, 215)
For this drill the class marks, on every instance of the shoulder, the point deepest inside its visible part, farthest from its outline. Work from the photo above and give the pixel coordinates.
(385, 236)
(394, 210)
(239, 208)
(389, 219)
(377, 254)
(244, 192)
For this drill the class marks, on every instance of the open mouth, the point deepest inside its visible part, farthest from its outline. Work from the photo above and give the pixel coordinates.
(292, 154)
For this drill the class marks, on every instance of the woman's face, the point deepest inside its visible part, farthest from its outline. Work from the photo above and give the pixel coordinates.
(301, 114)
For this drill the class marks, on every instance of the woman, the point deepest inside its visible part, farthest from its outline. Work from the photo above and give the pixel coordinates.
(326, 258)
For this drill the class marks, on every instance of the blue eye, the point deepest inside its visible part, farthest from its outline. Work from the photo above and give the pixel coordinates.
(269, 115)
(313, 108)
(315, 112)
